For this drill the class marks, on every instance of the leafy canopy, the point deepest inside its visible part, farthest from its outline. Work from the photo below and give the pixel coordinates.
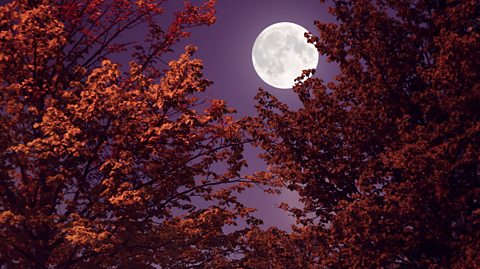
(105, 167)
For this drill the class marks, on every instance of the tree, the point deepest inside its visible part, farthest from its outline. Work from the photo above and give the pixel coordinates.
(274, 248)
(107, 168)
(386, 157)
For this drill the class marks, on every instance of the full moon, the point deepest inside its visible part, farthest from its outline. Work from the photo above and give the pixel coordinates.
(281, 52)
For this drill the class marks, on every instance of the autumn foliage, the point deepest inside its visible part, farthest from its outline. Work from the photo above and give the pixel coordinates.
(386, 157)
(105, 166)
(109, 159)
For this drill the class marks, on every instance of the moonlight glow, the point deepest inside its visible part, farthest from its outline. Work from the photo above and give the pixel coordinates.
(281, 52)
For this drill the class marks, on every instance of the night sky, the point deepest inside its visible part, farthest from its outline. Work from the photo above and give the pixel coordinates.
(226, 48)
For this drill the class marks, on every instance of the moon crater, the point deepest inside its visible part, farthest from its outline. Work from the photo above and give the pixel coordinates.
(281, 52)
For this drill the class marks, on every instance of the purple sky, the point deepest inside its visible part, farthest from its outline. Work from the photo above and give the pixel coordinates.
(226, 48)
(226, 51)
